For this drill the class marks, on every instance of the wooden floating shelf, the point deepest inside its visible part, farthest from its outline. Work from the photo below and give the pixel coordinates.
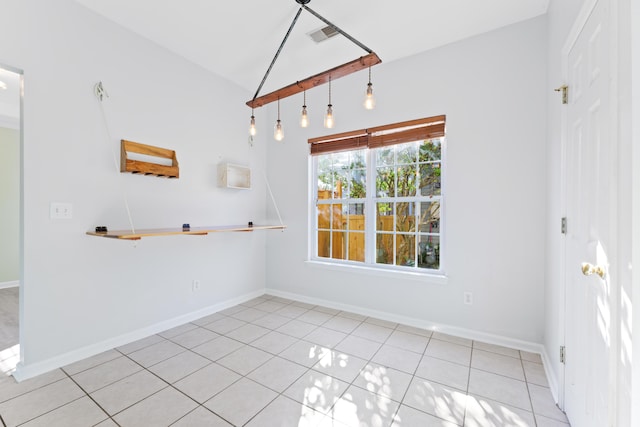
(194, 231)
(144, 167)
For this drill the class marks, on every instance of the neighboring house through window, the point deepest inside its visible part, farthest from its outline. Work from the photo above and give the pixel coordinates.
(378, 196)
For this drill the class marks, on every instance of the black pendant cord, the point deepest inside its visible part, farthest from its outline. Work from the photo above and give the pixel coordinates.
(303, 5)
(273, 61)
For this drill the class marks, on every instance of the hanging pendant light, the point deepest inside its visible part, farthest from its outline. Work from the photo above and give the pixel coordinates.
(252, 125)
(328, 117)
(317, 79)
(304, 119)
(278, 132)
(369, 101)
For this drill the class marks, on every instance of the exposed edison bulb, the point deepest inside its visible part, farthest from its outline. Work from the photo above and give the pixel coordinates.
(304, 119)
(369, 101)
(252, 126)
(278, 132)
(328, 117)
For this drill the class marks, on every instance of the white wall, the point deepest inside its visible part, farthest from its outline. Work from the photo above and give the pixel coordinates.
(492, 89)
(9, 204)
(80, 292)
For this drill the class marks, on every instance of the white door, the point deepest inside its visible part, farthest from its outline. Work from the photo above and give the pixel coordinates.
(590, 244)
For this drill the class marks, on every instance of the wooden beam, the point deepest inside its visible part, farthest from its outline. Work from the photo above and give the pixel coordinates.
(335, 73)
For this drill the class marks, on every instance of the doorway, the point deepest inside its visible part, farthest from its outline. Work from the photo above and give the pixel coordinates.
(10, 215)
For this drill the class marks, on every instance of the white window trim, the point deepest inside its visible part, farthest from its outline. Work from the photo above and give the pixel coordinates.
(386, 271)
(370, 267)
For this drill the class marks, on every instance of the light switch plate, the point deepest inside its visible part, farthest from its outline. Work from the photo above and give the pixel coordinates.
(60, 210)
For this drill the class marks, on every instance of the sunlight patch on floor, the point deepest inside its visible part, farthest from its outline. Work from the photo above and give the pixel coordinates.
(485, 413)
(9, 359)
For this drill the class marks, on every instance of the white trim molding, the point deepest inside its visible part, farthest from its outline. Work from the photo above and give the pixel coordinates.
(24, 372)
(417, 323)
(11, 284)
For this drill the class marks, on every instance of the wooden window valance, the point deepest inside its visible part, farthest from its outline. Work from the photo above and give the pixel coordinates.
(380, 136)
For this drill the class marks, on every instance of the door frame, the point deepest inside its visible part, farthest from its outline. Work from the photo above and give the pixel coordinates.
(572, 37)
(20, 72)
(635, 200)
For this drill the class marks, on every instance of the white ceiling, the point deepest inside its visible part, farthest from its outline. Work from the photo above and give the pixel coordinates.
(238, 39)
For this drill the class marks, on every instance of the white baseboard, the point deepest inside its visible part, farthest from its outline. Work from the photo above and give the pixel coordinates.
(551, 376)
(11, 284)
(418, 323)
(31, 370)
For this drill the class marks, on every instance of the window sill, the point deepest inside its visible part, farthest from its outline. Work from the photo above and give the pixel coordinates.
(429, 278)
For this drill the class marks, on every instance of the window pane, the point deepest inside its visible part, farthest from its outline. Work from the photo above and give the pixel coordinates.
(339, 220)
(356, 246)
(406, 153)
(406, 181)
(324, 216)
(429, 252)
(405, 216)
(406, 249)
(325, 178)
(356, 208)
(430, 217)
(384, 216)
(341, 175)
(384, 248)
(358, 184)
(430, 179)
(384, 156)
(431, 150)
(338, 244)
(385, 182)
(356, 216)
(358, 159)
(324, 244)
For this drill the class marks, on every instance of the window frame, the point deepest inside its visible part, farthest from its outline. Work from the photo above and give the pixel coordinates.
(371, 199)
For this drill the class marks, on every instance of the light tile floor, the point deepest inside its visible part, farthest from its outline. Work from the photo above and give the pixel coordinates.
(276, 362)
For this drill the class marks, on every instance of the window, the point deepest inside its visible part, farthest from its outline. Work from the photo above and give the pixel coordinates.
(378, 196)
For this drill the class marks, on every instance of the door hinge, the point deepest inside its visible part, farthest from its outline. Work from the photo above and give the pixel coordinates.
(563, 356)
(565, 93)
(563, 225)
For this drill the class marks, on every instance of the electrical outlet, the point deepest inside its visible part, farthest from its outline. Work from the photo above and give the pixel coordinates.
(195, 285)
(60, 210)
(468, 298)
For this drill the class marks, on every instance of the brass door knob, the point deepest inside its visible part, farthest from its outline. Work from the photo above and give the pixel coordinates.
(589, 269)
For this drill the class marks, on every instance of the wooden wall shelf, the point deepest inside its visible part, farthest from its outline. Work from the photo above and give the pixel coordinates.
(148, 168)
(234, 176)
(197, 231)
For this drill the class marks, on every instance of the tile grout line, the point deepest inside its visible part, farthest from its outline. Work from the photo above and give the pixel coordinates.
(49, 411)
(89, 396)
(308, 369)
(281, 394)
(535, 419)
(330, 412)
(363, 321)
(413, 376)
(278, 394)
(464, 417)
(241, 375)
(176, 389)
